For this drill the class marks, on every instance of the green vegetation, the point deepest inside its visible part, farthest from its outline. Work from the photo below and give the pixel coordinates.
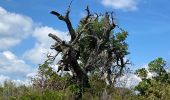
(95, 56)
(93, 50)
(48, 85)
(156, 87)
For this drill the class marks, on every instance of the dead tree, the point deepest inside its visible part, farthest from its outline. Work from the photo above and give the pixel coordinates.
(105, 51)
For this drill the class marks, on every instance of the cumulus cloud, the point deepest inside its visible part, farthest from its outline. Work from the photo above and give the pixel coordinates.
(3, 78)
(128, 81)
(41, 34)
(26, 82)
(13, 28)
(38, 53)
(12, 66)
(121, 4)
(17, 82)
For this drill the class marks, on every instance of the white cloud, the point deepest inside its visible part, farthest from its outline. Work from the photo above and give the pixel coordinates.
(3, 78)
(121, 4)
(2, 10)
(32, 74)
(15, 69)
(12, 66)
(128, 81)
(18, 82)
(41, 34)
(13, 28)
(38, 54)
(7, 42)
(26, 82)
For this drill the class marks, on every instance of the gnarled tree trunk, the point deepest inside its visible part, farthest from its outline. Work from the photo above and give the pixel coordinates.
(104, 52)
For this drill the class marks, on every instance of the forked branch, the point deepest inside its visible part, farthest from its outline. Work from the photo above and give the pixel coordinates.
(67, 21)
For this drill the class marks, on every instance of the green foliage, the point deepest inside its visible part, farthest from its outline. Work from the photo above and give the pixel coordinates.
(74, 89)
(87, 43)
(157, 66)
(47, 78)
(119, 43)
(99, 90)
(142, 73)
(156, 87)
(49, 85)
(88, 40)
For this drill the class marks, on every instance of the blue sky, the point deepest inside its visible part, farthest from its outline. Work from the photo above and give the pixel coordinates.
(24, 26)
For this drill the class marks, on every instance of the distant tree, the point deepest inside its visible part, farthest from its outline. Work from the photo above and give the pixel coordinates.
(47, 78)
(157, 86)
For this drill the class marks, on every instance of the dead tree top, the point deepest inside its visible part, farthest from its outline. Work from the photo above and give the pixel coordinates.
(102, 55)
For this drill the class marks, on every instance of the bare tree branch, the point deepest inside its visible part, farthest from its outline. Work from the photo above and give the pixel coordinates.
(67, 21)
(55, 37)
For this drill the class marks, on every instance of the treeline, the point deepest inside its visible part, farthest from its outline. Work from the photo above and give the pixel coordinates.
(48, 85)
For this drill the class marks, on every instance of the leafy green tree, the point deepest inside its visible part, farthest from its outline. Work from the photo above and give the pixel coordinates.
(142, 73)
(47, 78)
(158, 67)
(156, 87)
